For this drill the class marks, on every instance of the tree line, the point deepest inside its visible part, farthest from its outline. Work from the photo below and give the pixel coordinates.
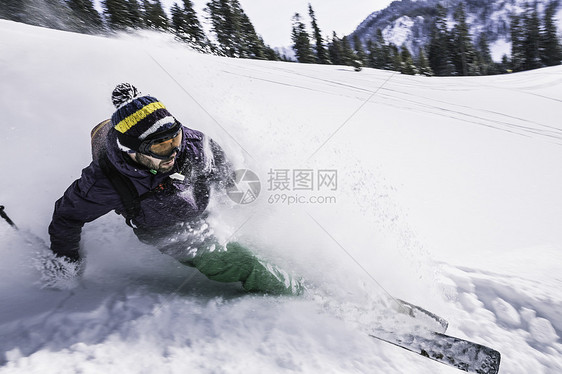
(343, 51)
(233, 32)
(534, 44)
(449, 52)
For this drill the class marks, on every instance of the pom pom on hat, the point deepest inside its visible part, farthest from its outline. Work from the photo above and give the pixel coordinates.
(123, 94)
(137, 116)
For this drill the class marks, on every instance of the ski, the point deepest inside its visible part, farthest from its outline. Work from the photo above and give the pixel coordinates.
(423, 316)
(449, 350)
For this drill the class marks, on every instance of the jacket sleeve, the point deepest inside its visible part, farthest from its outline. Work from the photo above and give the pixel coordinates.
(87, 199)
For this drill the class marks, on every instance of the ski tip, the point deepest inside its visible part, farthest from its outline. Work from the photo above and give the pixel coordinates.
(417, 311)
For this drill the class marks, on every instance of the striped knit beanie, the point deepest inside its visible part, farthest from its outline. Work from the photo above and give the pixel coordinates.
(137, 116)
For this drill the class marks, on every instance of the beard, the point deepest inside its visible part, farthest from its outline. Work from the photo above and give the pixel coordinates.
(161, 166)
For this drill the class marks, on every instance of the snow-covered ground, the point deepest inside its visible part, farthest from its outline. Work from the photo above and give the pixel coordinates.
(448, 196)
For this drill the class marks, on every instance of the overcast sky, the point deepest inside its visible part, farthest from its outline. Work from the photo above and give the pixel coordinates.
(272, 18)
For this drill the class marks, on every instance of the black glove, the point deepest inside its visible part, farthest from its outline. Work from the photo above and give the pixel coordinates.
(70, 254)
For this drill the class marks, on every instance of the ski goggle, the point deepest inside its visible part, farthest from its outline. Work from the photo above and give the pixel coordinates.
(162, 145)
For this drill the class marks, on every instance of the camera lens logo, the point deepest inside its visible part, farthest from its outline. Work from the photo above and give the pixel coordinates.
(247, 187)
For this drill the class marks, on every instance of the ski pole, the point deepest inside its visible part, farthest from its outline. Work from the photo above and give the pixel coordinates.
(5, 216)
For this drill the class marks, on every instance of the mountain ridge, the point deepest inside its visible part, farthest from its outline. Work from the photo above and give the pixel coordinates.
(409, 22)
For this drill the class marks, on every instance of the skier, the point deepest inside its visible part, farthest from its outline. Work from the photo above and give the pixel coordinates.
(158, 174)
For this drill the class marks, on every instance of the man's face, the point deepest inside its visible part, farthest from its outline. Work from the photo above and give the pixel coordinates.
(161, 166)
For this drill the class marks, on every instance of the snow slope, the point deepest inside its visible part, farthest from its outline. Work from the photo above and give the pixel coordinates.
(448, 196)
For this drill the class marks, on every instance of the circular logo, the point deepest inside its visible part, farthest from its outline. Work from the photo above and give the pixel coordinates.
(246, 187)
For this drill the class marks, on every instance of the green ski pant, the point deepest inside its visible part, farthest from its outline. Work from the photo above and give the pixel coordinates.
(235, 263)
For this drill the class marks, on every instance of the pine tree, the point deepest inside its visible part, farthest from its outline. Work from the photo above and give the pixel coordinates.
(234, 31)
(463, 54)
(408, 67)
(532, 47)
(349, 56)
(135, 14)
(88, 19)
(439, 45)
(372, 51)
(423, 65)
(154, 16)
(487, 65)
(224, 24)
(301, 41)
(186, 24)
(178, 19)
(395, 58)
(382, 59)
(116, 13)
(122, 14)
(239, 38)
(551, 53)
(270, 53)
(321, 52)
(335, 50)
(359, 51)
(251, 44)
(517, 44)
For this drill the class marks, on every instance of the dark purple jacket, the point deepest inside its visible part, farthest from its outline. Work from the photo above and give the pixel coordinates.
(93, 195)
